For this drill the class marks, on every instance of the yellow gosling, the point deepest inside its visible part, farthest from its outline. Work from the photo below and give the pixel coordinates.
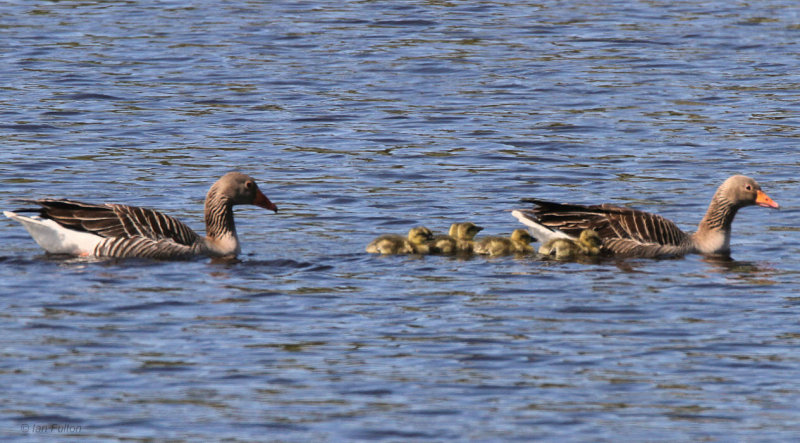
(518, 243)
(588, 244)
(414, 243)
(459, 240)
(464, 231)
(560, 248)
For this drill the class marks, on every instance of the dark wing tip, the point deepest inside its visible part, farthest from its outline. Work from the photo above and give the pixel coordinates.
(536, 201)
(27, 201)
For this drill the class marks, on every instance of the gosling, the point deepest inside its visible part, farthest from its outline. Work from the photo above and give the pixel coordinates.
(416, 242)
(458, 241)
(588, 244)
(518, 243)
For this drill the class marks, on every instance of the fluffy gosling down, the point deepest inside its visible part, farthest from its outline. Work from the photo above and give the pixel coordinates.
(518, 243)
(458, 241)
(587, 245)
(415, 243)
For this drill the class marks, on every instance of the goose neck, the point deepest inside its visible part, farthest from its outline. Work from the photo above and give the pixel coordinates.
(219, 217)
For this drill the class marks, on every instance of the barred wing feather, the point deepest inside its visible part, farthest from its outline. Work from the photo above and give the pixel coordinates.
(116, 221)
(624, 231)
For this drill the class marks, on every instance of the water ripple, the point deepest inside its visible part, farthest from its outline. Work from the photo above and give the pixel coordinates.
(364, 118)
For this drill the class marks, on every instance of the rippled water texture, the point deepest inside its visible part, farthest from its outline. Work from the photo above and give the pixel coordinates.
(360, 118)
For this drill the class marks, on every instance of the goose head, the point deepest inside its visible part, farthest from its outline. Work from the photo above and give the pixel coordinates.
(235, 188)
(740, 191)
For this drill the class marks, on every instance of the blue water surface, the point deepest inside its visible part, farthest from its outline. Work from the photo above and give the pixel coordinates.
(360, 118)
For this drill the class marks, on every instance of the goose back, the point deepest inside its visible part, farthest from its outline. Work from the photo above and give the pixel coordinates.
(625, 231)
(115, 221)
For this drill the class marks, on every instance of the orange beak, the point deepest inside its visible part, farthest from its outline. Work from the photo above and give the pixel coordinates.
(763, 199)
(262, 201)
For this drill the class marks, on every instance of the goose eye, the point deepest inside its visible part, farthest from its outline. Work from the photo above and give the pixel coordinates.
(748, 187)
(249, 185)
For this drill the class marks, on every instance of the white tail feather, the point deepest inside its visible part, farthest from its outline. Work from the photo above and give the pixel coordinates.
(541, 232)
(55, 238)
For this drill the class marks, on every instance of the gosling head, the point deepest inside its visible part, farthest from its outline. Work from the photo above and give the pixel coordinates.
(591, 238)
(419, 235)
(465, 231)
(565, 249)
(522, 236)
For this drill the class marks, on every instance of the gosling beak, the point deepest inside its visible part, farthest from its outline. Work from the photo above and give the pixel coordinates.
(762, 199)
(262, 201)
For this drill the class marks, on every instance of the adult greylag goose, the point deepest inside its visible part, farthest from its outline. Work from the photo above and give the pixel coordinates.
(458, 240)
(630, 233)
(518, 243)
(414, 243)
(588, 244)
(113, 230)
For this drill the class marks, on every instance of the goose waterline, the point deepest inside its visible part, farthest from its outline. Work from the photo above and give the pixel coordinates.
(628, 232)
(113, 230)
